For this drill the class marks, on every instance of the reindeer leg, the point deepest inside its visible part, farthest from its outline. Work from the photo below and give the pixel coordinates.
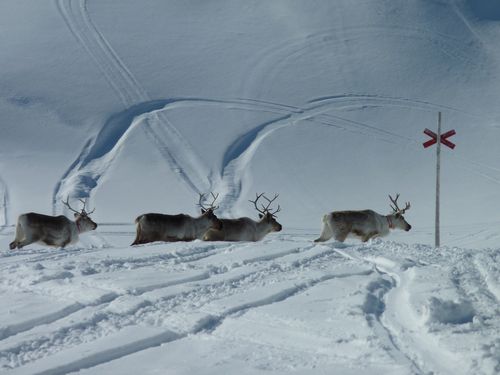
(326, 232)
(19, 236)
(341, 231)
(369, 236)
(65, 243)
(25, 242)
(341, 236)
(138, 240)
(213, 235)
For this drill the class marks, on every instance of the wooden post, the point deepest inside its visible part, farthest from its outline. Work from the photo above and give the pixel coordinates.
(438, 170)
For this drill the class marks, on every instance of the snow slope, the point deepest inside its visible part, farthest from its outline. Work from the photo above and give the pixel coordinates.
(139, 106)
(205, 94)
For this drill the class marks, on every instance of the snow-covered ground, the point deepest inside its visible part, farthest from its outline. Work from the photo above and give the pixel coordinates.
(140, 105)
(279, 306)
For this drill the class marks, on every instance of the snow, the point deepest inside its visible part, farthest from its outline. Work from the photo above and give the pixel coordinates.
(140, 106)
(280, 305)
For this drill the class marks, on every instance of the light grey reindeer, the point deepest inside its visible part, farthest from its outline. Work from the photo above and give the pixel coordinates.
(57, 231)
(159, 227)
(364, 224)
(246, 229)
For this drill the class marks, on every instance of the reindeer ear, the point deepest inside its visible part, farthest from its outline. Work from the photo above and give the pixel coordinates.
(76, 214)
(203, 211)
(261, 216)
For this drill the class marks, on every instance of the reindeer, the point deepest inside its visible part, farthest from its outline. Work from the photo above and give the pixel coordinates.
(246, 229)
(57, 231)
(365, 224)
(159, 227)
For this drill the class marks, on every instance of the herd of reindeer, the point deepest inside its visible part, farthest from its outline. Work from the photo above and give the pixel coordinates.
(60, 231)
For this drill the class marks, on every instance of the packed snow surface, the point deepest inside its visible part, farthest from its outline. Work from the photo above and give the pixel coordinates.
(138, 106)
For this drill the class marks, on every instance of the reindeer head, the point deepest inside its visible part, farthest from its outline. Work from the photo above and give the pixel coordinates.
(83, 221)
(266, 214)
(398, 221)
(208, 212)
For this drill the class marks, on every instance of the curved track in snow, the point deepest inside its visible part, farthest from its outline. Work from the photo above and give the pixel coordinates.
(270, 61)
(100, 153)
(320, 111)
(176, 151)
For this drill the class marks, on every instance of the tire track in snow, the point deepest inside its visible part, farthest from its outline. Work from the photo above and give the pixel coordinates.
(175, 150)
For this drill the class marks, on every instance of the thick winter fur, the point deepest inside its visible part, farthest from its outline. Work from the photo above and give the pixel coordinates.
(57, 231)
(159, 227)
(243, 229)
(364, 224)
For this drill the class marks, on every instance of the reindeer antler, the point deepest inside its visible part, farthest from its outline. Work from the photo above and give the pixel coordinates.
(212, 207)
(395, 208)
(265, 209)
(78, 212)
(67, 205)
(84, 204)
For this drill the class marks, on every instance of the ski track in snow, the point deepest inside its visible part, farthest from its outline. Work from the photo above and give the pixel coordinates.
(267, 65)
(176, 151)
(214, 283)
(96, 158)
(239, 154)
(395, 318)
(375, 307)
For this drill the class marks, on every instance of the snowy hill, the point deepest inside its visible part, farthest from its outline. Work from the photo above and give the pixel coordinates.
(139, 106)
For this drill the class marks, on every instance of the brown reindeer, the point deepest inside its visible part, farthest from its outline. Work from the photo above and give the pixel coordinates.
(246, 229)
(159, 227)
(57, 231)
(364, 224)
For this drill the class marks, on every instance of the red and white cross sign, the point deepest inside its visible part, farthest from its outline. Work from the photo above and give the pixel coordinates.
(443, 137)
